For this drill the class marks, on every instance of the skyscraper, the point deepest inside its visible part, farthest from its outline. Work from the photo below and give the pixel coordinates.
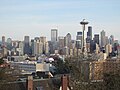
(43, 39)
(26, 45)
(9, 40)
(45, 45)
(68, 40)
(26, 39)
(21, 48)
(103, 38)
(79, 40)
(61, 42)
(108, 49)
(89, 32)
(107, 40)
(111, 40)
(32, 46)
(96, 38)
(38, 47)
(79, 36)
(92, 46)
(54, 35)
(53, 44)
(89, 35)
(9, 43)
(3, 40)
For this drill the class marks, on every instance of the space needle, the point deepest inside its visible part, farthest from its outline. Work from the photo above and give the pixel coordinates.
(83, 23)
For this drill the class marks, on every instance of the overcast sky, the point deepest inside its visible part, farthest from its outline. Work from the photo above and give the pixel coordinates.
(36, 17)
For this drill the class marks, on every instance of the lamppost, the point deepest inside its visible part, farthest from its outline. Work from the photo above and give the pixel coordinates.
(83, 23)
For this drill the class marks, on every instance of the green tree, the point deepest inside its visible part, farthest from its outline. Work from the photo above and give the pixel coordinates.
(112, 81)
(61, 66)
(5, 75)
(1, 61)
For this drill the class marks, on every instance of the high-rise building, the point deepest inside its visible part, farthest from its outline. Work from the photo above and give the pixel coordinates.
(32, 46)
(43, 40)
(26, 45)
(68, 41)
(61, 42)
(79, 40)
(115, 46)
(26, 39)
(103, 39)
(46, 48)
(89, 35)
(54, 35)
(68, 44)
(54, 41)
(38, 47)
(4, 51)
(111, 40)
(15, 43)
(92, 46)
(9, 43)
(21, 48)
(37, 38)
(108, 49)
(96, 38)
(79, 36)
(45, 45)
(9, 40)
(78, 44)
(107, 40)
(3, 40)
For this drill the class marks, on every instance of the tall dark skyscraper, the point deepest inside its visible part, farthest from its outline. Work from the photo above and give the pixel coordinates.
(111, 40)
(26, 45)
(96, 38)
(54, 35)
(26, 39)
(32, 46)
(3, 40)
(89, 34)
(9, 43)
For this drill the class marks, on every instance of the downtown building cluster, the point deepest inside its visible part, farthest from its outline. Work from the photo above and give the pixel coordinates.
(63, 45)
(30, 52)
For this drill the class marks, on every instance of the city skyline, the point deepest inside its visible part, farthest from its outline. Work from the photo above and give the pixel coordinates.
(35, 18)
